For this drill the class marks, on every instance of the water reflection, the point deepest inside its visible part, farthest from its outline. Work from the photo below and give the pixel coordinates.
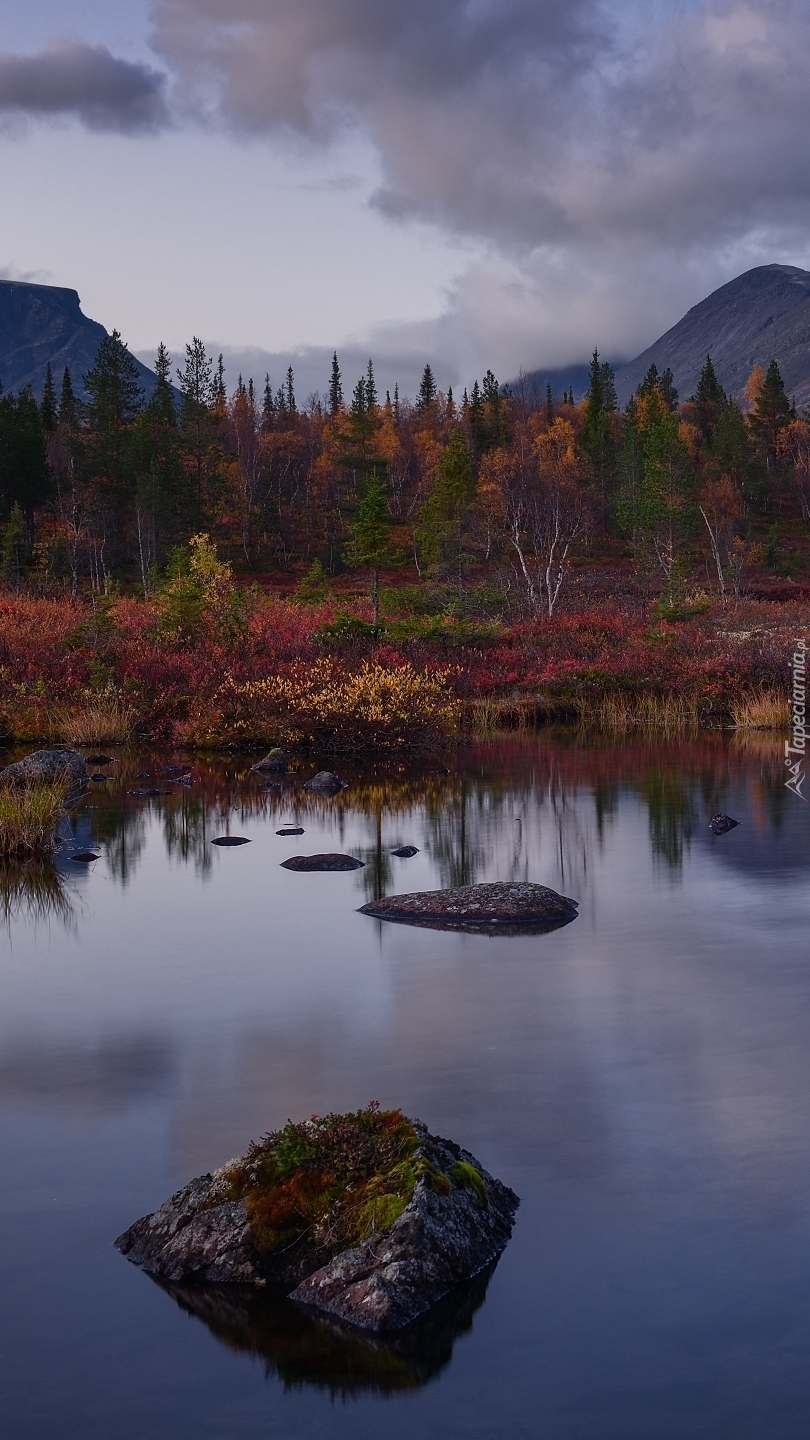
(34, 891)
(304, 1348)
(506, 809)
(92, 1079)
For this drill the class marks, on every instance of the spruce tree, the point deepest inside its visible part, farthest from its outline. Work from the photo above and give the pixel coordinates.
(446, 520)
(369, 536)
(68, 405)
(709, 400)
(371, 389)
(596, 440)
(771, 413)
(335, 388)
(427, 391)
(48, 408)
(289, 390)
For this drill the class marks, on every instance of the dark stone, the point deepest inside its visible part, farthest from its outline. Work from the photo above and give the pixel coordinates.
(445, 1235)
(513, 907)
(47, 765)
(85, 856)
(143, 775)
(404, 852)
(100, 760)
(174, 770)
(274, 761)
(100, 779)
(325, 783)
(721, 824)
(183, 780)
(322, 862)
(146, 791)
(231, 840)
(291, 830)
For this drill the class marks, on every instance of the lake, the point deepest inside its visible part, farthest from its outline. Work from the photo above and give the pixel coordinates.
(641, 1078)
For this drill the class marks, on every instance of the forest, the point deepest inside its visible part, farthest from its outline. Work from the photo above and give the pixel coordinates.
(525, 552)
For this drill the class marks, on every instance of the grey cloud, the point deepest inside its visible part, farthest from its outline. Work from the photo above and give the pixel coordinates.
(531, 122)
(71, 78)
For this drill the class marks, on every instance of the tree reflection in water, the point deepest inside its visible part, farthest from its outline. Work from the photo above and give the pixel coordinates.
(35, 891)
(306, 1348)
(511, 806)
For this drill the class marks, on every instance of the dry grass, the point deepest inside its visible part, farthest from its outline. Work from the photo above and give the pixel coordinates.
(761, 710)
(102, 721)
(29, 817)
(490, 715)
(618, 714)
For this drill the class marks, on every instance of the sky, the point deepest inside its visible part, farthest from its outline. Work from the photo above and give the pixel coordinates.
(478, 183)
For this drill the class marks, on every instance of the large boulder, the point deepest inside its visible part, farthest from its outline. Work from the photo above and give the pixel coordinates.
(502, 908)
(367, 1217)
(47, 766)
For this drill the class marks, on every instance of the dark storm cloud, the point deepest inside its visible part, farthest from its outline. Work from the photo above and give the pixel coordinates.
(71, 78)
(530, 122)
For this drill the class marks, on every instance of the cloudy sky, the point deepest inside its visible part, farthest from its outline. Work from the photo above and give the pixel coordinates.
(478, 182)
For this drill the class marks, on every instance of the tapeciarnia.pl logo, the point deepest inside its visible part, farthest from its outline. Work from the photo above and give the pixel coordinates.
(796, 747)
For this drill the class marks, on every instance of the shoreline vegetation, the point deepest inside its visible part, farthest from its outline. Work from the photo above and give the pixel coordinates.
(369, 576)
(320, 677)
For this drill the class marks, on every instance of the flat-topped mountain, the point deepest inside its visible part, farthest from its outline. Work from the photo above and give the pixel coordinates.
(42, 323)
(761, 316)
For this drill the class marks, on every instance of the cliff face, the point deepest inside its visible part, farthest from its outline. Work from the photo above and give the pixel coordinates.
(761, 316)
(41, 323)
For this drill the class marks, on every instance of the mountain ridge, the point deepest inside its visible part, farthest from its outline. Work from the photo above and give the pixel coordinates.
(45, 323)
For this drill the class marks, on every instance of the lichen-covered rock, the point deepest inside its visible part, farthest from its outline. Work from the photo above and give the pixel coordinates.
(47, 766)
(366, 1217)
(328, 862)
(503, 908)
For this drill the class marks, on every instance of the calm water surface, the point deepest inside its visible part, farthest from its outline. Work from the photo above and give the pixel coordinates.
(641, 1078)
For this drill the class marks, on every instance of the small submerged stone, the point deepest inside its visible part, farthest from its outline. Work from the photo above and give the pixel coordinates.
(144, 775)
(501, 908)
(145, 792)
(100, 779)
(322, 862)
(85, 856)
(231, 840)
(365, 1216)
(291, 830)
(326, 783)
(99, 760)
(175, 770)
(405, 852)
(721, 824)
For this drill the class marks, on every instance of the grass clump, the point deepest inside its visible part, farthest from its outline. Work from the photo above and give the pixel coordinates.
(29, 816)
(761, 710)
(100, 720)
(335, 1180)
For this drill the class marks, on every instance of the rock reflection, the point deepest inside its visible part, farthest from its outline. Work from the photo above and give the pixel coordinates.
(305, 1348)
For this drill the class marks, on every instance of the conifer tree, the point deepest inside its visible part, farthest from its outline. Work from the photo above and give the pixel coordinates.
(369, 536)
(709, 400)
(772, 411)
(371, 389)
(268, 406)
(48, 408)
(68, 405)
(335, 388)
(445, 523)
(289, 390)
(427, 391)
(597, 440)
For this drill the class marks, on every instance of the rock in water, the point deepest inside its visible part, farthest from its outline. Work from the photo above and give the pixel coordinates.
(85, 856)
(275, 761)
(501, 908)
(406, 852)
(721, 824)
(291, 830)
(99, 760)
(326, 783)
(322, 862)
(231, 840)
(365, 1216)
(47, 765)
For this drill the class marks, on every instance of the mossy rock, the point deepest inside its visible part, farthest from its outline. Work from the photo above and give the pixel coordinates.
(364, 1215)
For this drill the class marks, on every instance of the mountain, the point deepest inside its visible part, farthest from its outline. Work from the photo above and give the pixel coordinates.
(761, 316)
(39, 323)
